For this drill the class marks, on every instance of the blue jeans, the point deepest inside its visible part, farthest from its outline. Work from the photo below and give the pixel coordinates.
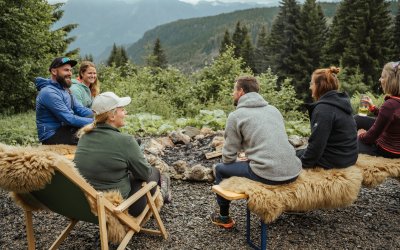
(241, 169)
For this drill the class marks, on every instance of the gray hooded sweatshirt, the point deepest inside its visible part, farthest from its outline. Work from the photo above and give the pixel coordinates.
(258, 129)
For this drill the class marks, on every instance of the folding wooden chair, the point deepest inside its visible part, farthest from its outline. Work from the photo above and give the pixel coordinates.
(70, 195)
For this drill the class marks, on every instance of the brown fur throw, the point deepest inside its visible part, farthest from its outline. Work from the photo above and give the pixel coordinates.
(26, 169)
(314, 189)
(62, 149)
(375, 170)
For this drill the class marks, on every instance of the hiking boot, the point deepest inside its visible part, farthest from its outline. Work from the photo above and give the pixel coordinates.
(165, 187)
(223, 221)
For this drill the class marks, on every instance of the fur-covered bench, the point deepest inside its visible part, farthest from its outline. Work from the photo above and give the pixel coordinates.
(314, 189)
(376, 170)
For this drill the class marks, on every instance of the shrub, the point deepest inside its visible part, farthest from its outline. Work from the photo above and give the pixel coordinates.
(19, 129)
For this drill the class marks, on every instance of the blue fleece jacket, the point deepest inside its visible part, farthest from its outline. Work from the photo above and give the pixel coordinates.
(54, 109)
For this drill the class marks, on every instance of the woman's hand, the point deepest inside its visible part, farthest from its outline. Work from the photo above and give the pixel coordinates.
(367, 100)
(361, 131)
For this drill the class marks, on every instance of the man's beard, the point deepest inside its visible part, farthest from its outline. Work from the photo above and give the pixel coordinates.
(64, 83)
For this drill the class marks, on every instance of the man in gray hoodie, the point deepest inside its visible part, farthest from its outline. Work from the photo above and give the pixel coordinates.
(257, 129)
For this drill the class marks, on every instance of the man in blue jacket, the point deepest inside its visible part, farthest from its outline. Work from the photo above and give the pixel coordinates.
(58, 114)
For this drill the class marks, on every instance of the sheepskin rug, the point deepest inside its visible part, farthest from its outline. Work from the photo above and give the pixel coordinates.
(61, 149)
(375, 170)
(314, 189)
(26, 169)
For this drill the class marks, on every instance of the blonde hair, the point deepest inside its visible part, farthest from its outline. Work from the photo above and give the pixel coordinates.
(94, 87)
(325, 80)
(100, 118)
(392, 86)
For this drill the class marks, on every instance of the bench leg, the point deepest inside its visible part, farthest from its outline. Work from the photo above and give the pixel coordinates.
(263, 235)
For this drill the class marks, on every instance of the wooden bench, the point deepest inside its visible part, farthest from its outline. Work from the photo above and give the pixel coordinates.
(237, 196)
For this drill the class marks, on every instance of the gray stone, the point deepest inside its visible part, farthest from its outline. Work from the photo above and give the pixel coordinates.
(191, 131)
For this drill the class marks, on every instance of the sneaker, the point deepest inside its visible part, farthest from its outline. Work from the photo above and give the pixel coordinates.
(165, 187)
(223, 221)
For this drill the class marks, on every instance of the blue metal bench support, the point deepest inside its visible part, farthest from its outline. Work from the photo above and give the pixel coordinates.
(263, 234)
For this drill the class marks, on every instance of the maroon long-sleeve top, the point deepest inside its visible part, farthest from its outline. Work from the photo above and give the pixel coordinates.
(386, 130)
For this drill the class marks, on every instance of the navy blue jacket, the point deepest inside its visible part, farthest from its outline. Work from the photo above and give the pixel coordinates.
(333, 140)
(54, 109)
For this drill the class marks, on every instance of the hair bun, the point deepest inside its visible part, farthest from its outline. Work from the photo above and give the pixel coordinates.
(334, 70)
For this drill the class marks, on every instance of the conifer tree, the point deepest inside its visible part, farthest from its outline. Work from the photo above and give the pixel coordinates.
(313, 28)
(260, 53)
(243, 47)
(65, 30)
(87, 57)
(158, 57)
(27, 45)
(122, 56)
(338, 33)
(237, 40)
(113, 55)
(226, 41)
(247, 53)
(118, 56)
(284, 44)
(396, 36)
(361, 38)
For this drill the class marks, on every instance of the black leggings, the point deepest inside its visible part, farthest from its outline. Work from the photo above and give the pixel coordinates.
(366, 122)
(137, 208)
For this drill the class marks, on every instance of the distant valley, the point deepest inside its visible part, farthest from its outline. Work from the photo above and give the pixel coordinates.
(101, 23)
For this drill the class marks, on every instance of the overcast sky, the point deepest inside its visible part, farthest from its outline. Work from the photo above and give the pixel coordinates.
(227, 1)
(269, 2)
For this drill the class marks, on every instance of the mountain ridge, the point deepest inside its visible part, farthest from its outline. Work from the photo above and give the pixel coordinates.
(192, 43)
(102, 23)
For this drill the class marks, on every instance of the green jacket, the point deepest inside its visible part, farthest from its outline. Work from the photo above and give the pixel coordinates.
(104, 156)
(82, 93)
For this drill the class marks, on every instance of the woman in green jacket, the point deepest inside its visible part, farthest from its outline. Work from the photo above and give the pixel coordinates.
(110, 160)
(86, 86)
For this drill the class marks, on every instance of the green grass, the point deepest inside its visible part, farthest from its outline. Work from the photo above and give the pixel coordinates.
(20, 129)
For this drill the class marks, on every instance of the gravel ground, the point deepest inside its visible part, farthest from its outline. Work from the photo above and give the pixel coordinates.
(372, 222)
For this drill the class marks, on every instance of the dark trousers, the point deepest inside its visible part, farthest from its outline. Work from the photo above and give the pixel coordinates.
(63, 135)
(366, 122)
(241, 169)
(136, 208)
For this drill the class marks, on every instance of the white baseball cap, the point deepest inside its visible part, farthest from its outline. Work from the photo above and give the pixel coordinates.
(108, 101)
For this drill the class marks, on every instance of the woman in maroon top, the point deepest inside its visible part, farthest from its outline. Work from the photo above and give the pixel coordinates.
(380, 136)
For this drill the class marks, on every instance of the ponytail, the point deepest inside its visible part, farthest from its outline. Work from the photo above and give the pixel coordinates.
(101, 118)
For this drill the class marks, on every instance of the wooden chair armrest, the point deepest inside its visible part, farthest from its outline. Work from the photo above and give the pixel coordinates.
(136, 196)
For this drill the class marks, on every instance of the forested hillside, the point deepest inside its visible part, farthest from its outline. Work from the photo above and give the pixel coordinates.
(102, 23)
(191, 43)
(196, 41)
